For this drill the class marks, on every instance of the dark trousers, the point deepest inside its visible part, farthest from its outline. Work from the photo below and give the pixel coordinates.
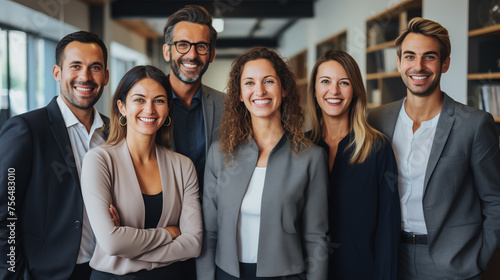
(81, 272)
(169, 272)
(248, 271)
(415, 263)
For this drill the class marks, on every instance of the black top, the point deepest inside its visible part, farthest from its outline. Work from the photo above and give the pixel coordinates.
(153, 205)
(364, 214)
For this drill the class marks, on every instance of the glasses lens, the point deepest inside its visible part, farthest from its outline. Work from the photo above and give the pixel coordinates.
(202, 48)
(182, 47)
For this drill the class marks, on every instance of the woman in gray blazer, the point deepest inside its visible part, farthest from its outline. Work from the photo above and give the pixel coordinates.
(265, 196)
(141, 198)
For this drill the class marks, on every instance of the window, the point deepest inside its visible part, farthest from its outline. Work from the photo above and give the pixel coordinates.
(26, 82)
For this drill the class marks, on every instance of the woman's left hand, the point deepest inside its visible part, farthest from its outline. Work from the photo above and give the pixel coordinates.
(114, 215)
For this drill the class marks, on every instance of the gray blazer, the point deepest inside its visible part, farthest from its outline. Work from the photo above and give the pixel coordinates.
(294, 214)
(108, 177)
(213, 107)
(461, 199)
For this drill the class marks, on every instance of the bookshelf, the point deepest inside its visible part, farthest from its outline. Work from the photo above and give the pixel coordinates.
(484, 58)
(335, 42)
(383, 81)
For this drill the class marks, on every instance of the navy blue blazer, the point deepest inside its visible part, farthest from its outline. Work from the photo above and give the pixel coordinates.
(48, 203)
(364, 214)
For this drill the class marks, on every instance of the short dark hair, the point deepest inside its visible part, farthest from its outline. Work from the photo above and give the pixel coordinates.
(190, 13)
(132, 77)
(82, 37)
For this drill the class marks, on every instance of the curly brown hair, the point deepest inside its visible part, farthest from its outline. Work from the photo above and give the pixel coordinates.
(236, 124)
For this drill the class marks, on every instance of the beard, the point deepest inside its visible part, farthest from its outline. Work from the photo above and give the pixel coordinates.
(83, 102)
(175, 67)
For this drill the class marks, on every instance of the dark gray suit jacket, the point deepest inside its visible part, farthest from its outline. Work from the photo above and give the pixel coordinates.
(294, 213)
(461, 199)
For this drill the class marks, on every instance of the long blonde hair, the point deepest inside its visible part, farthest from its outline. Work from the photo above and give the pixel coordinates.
(365, 136)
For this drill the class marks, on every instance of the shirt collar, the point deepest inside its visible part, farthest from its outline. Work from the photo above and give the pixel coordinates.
(196, 96)
(70, 118)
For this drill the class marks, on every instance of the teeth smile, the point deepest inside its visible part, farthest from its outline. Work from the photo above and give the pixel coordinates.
(260, 101)
(147, 120)
(83, 89)
(190, 65)
(419, 77)
(333, 100)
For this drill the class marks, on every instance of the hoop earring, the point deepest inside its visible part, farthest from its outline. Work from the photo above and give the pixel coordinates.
(169, 121)
(120, 121)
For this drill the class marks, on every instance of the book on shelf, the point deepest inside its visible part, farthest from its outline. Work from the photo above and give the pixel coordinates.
(490, 99)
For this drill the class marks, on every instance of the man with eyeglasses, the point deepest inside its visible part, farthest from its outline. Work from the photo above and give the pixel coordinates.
(190, 48)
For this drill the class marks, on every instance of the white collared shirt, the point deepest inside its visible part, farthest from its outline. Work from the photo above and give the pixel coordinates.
(412, 152)
(81, 142)
(249, 221)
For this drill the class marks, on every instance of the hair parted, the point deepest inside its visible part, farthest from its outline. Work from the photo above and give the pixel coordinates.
(190, 13)
(117, 132)
(364, 135)
(428, 28)
(82, 37)
(236, 124)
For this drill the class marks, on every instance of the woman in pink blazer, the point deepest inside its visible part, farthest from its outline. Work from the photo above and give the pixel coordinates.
(141, 198)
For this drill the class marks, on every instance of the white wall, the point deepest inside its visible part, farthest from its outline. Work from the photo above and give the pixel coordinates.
(218, 73)
(453, 15)
(331, 17)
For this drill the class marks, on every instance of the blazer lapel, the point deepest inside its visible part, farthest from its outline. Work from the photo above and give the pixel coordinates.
(391, 117)
(443, 129)
(61, 136)
(208, 115)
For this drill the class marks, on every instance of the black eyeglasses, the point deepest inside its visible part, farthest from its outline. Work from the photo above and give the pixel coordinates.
(183, 47)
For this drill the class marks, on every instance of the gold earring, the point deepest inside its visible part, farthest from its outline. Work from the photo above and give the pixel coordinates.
(120, 121)
(169, 121)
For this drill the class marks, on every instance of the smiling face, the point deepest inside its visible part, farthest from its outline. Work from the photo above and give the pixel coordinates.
(261, 89)
(190, 67)
(334, 91)
(420, 64)
(145, 108)
(82, 75)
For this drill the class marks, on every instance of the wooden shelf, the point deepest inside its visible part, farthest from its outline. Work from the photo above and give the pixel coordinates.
(301, 81)
(492, 30)
(372, 105)
(381, 46)
(483, 76)
(393, 12)
(374, 76)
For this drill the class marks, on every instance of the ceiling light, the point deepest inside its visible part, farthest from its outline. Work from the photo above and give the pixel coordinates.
(218, 24)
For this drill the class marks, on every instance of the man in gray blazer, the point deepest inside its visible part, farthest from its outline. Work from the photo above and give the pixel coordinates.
(190, 48)
(449, 165)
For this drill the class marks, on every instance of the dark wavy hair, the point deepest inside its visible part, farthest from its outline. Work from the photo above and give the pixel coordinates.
(117, 132)
(236, 124)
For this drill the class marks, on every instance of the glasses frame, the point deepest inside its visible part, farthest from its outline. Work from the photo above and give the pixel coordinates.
(190, 46)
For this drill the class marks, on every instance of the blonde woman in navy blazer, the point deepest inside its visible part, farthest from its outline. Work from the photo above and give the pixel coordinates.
(261, 133)
(155, 217)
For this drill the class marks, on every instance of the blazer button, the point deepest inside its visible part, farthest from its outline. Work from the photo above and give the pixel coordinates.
(78, 224)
